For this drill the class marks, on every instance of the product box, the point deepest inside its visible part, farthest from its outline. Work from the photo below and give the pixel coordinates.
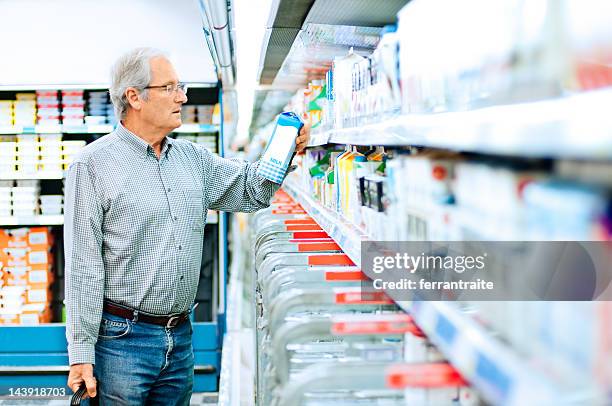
(26, 257)
(25, 276)
(35, 238)
(25, 96)
(12, 294)
(281, 147)
(29, 314)
(33, 314)
(9, 316)
(33, 296)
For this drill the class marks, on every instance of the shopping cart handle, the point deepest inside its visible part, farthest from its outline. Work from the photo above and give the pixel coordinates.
(78, 397)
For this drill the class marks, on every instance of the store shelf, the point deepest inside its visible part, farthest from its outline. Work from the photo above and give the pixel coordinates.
(40, 220)
(347, 235)
(31, 175)
(494, 368)
(94, 129)
(576, 126)
(88, 129)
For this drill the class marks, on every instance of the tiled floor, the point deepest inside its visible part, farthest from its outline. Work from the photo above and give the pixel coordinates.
(198, 399)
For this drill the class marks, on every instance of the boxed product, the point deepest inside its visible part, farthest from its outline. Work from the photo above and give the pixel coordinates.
(281, 146)
(26, 257)
(35, 238)
(25, 276)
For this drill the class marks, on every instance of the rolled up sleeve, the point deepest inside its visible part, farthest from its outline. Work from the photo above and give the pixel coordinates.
(84, 270)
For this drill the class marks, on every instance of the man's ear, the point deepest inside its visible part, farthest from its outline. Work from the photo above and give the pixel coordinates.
(133, 97)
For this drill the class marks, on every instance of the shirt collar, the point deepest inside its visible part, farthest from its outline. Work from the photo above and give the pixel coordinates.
(138, 144)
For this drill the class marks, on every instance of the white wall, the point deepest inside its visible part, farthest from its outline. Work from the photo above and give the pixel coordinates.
(74, 42)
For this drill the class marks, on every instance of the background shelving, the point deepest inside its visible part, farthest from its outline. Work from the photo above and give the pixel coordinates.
(571, 127)
(39, 220)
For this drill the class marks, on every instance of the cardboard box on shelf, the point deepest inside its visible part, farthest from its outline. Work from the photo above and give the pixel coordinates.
(9, 316)
(43, 295)
(25, 96)
(25, 276)
(34, 314)
(31, 314)
(36, 259)
(35, 238)
(12, 294)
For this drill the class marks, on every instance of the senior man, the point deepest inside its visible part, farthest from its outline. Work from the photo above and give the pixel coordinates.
(136, 203)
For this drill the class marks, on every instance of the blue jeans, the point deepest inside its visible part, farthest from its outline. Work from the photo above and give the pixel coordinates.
(143, 364)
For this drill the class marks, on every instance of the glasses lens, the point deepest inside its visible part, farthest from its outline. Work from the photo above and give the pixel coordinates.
(182, 87)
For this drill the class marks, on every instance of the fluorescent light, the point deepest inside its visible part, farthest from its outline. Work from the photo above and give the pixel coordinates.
(251, 23)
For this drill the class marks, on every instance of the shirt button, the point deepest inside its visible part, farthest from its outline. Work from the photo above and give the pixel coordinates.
(175, 218)
(169, 190)
(180, 247)
(182, 277)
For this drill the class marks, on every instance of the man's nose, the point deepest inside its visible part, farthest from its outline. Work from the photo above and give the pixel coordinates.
(181, 96)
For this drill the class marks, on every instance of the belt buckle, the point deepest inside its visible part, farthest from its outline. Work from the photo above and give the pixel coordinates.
(173, 321)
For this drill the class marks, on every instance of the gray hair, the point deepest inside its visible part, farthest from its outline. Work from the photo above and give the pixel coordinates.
(132, 69)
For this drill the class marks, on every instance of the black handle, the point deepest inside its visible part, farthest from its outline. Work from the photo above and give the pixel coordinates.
(78, 397)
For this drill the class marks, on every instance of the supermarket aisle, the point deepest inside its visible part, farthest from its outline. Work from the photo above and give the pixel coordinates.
(442, 240)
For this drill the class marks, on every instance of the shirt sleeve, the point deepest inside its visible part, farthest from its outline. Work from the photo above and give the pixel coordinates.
(234, 185)
(84, 270)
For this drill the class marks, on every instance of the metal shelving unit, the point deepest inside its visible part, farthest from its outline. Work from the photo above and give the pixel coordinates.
(39, 220)
(31, 175)
(500, 374)
(571, 127)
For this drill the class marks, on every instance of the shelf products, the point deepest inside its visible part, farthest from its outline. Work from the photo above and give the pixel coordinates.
(197, 113)
(21, 111)
(99, 109)
(48, 107)
(25, 275)
(505, 53)
(21, 198)
(73, 107)
(33, 154)
(209, 141)
(437, 195)
(542, 50)
(486, 340)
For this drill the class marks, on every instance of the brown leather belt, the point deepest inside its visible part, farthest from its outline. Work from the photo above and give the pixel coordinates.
(172, 320)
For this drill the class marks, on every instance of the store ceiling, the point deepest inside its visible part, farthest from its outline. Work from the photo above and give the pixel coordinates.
(305, 35)
(74, 42)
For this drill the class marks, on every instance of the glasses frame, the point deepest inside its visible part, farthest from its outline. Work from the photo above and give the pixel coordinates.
(171, 89)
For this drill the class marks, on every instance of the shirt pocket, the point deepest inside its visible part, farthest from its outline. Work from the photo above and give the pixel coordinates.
(194, 200)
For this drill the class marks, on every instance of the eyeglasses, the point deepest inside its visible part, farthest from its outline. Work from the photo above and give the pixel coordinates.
(171, 88)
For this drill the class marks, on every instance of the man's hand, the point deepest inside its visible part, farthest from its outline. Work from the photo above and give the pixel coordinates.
(80, 373)
(302, 139)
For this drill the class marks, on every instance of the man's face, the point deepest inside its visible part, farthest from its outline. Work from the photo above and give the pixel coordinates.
(163, 109)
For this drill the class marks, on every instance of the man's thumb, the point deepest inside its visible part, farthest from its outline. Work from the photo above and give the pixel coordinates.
(91, 384)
